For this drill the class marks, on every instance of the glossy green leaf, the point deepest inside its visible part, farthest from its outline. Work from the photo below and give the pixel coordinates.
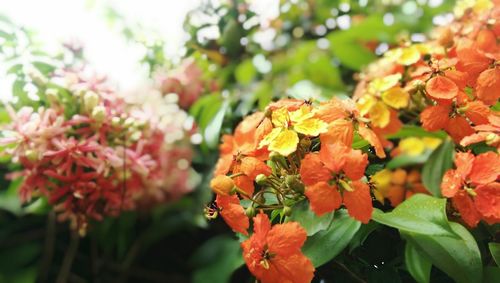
(495, 252)
(212, 130)
(417, 263)
(364, 231)
(325, 245)
(245, 72)
(440, 160)
(420, 213)
(458, 256)
(216, 260)
(407, 160)
(309, 220)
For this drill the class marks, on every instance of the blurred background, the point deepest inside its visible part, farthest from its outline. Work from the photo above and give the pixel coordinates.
(216, 61)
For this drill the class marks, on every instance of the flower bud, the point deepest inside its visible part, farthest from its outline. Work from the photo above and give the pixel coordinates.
(305, 143)
(261, 179)
(115, 121)
(293, 182)
(90, 100)
(31, 154)
(52, 95)
(287, 211)
(99, 114)
(250, 211)
(222, 185)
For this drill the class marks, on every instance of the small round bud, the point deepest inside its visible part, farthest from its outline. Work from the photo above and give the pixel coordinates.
(99, 114)
(90, 100)
(287, 211)
(261, 179)
(294, 183)
(250, 211)
(222, 185)
(115, 121)
(52, 95)
(31, 154)
(305, 143)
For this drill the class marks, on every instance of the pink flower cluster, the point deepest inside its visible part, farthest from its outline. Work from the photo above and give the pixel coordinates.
(94, 154)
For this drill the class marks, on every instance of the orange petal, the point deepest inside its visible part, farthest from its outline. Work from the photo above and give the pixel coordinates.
(435, 118)
(295, 268)
(223, 164)
(486, 168)
(477, 112)
(286, 238)
(487, 200)
(452, 182)
(290, 104)
(464, 161)
(458, 128)
(333, 155)
(331, 110)
(227, 145)
(359, 202)
(441, 87)
(488, 86)
(355, 164)
(465, 206)
(313, 171)
(323, 198)
(372, 139)
(252, 167)
(233, 213)
(338, 131)
(396, 195)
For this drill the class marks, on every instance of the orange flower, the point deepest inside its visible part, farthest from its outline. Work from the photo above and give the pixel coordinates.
(345, 167)
(273, 255)
(233, 213)
(489, 133)
(488, 86)
(437, 117)
(399, 185)
(441, 87)
(222, 185)
(472, 185)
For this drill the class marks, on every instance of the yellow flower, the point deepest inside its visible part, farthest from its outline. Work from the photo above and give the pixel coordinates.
(382, 181)
(431, 143)
(365, 104)
(284, 138)
(379, 85)
(412, 146)
(409, 55)
(396, 97)
(380, 115)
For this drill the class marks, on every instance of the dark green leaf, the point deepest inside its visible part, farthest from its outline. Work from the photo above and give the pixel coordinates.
(420, 213)
(458, 256)
(309, 220)
(495, 252)
(325, 245)
(364, 231)
(440, 160)
(418, 265)
(216, 260)
(491, 274)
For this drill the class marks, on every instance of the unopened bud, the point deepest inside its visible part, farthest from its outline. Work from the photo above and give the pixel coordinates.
(135, 136)
(287, 211)
(293, 182)
(115, 121)
(261, 179)
(31, 154)
(222, 185)
(250, 211)
(128, 122)
(305, 143)
(90, 100)
(52, 95)
(99, 114)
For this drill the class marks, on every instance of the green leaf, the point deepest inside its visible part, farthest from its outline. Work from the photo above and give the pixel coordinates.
(458, 256)
(216, 260)
(420, 213)
(309, 220)
(416, 131)
(418, 265)
(406, 160)
(440, 160)
(326, 244)
(245, 72)
(495, 252)
(212, 131)
(491, 274)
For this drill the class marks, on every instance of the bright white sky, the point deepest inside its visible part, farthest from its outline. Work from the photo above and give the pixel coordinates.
(55, 21)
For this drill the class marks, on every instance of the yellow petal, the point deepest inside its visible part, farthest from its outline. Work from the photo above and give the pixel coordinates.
(380, 115)
(412, 146)
(396, 97)
(280, 117)
(409, 55)
(382, 84)
(285, 143)
(431, 143)
(311, 127)
(382, 182)
(393, 54)
(270, 137)
(365, 104)
(378, 196)
(301, 114)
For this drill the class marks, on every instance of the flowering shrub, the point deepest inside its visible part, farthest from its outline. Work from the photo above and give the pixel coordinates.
(389, 141)
(92, 153)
